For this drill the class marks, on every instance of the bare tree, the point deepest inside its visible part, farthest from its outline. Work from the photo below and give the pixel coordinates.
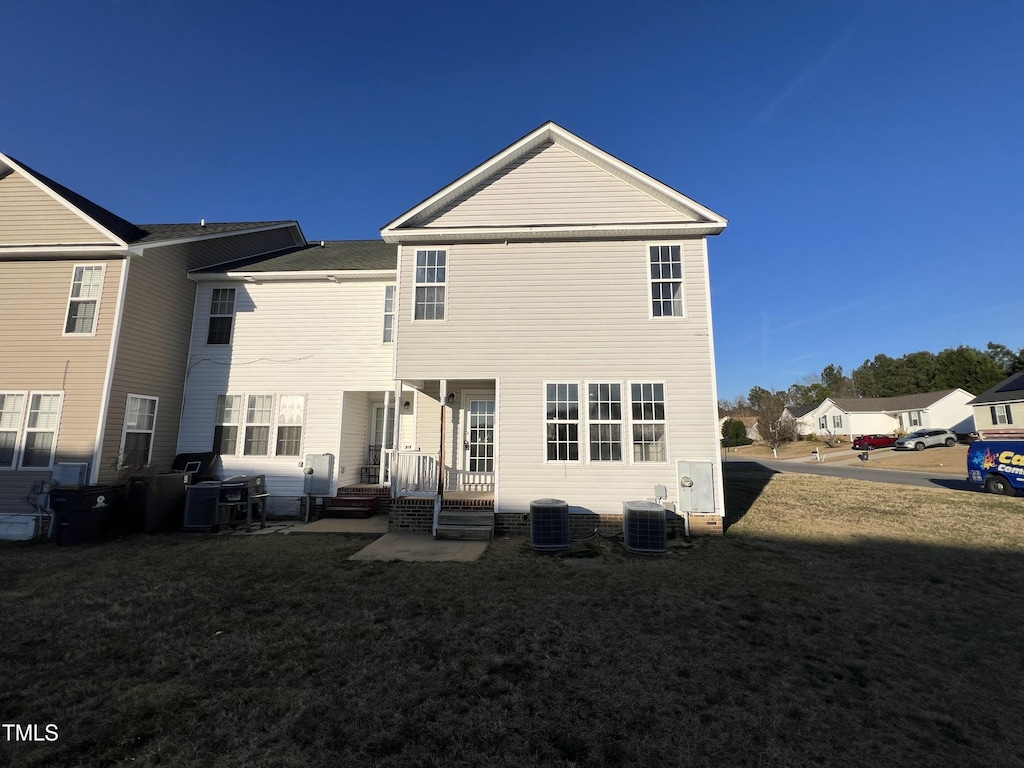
(772, 425)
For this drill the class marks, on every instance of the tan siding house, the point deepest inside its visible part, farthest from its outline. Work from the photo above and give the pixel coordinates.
(999, 411)
(553, 314)
(95, 313)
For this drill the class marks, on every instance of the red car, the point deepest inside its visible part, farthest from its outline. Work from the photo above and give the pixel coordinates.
(870, 442)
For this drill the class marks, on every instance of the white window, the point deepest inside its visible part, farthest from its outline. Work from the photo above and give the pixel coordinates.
(225, 431)
(1001, 414)
(837, 421)
(84, 299)
(222, 315)
(258, 412)
(915, 418)
(12, 414)
(41, 431)
(431, 267)
(562, 422)
(605, 421)
(289, 425)
(666, 281)
(648, 403)
(137, 436)
(389, 313)
(823, 422)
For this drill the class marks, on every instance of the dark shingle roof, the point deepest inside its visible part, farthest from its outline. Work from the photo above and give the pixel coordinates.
(796, 411)
(1008, 390)
(333, 255)
(159, 232)
(898, 403)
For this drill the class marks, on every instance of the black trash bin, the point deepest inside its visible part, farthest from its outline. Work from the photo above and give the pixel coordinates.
(84, 512)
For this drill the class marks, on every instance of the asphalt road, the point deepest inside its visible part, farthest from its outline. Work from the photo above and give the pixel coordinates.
(956, 482)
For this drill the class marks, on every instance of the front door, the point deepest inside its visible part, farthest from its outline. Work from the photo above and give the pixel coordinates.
(479, 444)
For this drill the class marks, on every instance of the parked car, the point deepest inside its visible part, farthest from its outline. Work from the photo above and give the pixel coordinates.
(870, 442)
(997, 465)
(926, 438)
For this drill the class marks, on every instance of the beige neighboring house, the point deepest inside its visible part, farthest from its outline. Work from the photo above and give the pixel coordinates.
(999, 411)
(94, 315)
(554, 320)
(852, 416)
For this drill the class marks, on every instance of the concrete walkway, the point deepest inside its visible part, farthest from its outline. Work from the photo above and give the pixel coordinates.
(375, 524)
(420, 548)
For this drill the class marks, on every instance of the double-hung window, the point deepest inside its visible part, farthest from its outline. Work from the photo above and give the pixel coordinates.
(605, 421)
(84, 299)
(289, 424)
(389, 313)
(666, 264)
(137, 436)
(258, 413)
(823, 422)
(431, 270)
(12, 414)
(222, 315)
(41, 431)
(837, 421)
(562, 422)
(648, 401)
(1001, 414)
(225, 431)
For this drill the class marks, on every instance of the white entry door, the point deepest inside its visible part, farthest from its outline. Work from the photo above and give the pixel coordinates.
(478, 472)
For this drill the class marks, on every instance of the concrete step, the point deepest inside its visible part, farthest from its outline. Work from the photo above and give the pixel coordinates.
(465, 532)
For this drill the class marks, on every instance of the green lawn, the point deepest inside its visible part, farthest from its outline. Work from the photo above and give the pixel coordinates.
(837, 623)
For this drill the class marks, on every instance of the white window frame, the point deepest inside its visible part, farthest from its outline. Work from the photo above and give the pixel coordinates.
(251, 422)
(915, 418)
(430, 271)
(643, 421)
(22, 425)
(837, 421)
(12, 422)
(229, 406)
(565, 422)
(78, 300)
(136, 429)
(216, 305)
(388, 332)
(291, 414)
(1001, 415)
(661, 280)
(823, 422)
(607, 420)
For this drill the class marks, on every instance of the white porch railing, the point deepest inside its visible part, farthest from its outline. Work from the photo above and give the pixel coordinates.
(464, 480)
(413, 473)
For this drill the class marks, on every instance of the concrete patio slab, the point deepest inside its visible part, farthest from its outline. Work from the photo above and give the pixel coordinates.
(375, 524)
(420, 548)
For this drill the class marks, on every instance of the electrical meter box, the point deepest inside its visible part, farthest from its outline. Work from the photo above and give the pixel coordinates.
(319, 482)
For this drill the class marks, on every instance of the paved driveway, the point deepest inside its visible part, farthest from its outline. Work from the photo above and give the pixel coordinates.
(956, 482)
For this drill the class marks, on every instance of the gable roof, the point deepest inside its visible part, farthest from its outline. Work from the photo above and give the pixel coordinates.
(326, 256)
(1009, 390)
(798, 411)
(914, 402)
(108, 228)
(654, 209)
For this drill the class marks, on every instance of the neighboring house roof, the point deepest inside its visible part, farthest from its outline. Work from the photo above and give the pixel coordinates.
(891, 404)
(495, 181)
(798, 411)
(323, 256)
(161, 232)
(1009, 390)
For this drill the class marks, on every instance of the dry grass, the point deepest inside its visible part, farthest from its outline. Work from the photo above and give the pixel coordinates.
(837, 624)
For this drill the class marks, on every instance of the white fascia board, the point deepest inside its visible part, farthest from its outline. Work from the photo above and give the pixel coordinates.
(557, 231)
(54, 195)
(339, 275)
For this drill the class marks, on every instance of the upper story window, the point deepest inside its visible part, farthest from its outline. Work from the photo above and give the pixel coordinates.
(666, 281)
(389, 313)
(139, 426)
(431, 268)
(222, 315)
(1001, 414)
(84, 299)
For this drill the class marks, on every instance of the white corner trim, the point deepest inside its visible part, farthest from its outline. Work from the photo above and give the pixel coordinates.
(108, 383)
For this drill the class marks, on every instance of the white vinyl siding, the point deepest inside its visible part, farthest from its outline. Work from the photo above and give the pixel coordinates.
(549, 186)
(137, 435)
(84, 300)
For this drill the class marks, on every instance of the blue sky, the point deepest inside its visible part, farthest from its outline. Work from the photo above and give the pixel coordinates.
(869, 155)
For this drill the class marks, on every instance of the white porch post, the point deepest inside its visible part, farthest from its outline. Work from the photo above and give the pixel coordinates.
(385, 456)
(397, 436)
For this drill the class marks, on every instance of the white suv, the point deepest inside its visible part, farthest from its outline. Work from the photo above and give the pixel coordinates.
(926, 438)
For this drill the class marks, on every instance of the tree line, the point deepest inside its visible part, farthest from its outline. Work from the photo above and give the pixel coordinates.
(965, 367)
